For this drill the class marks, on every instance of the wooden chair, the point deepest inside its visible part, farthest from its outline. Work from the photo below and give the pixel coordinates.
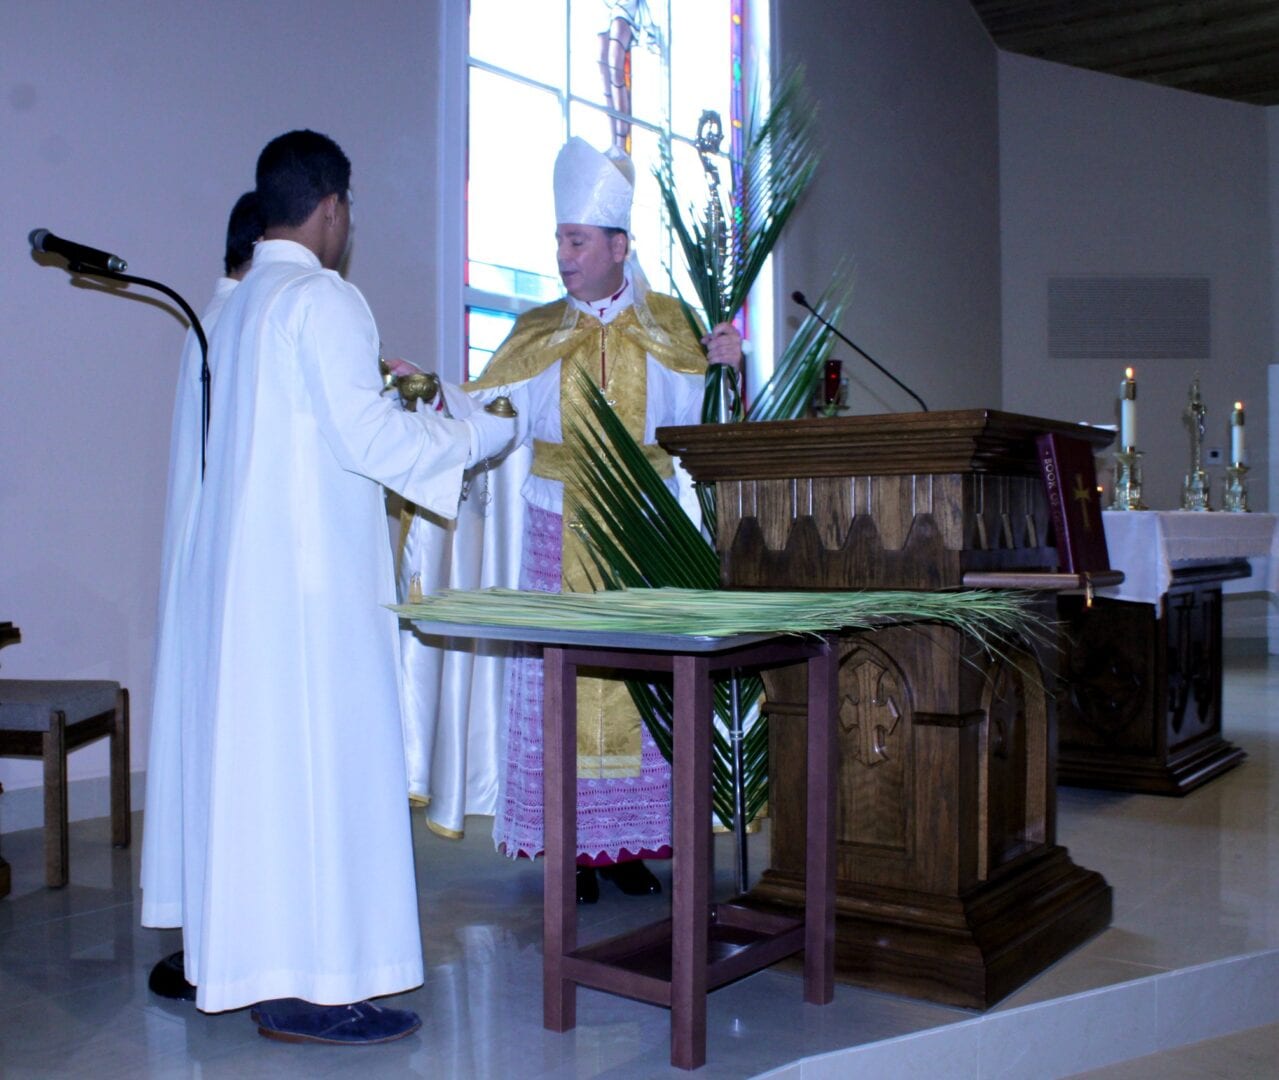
(47, 719)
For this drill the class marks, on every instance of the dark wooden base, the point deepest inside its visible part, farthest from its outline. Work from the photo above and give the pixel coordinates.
(1190, 769)
(1141, 711)
(5, 882)
(968, 951)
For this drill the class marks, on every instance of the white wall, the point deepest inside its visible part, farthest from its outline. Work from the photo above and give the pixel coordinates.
(145, 129)
(908, 193)
(1272, 181)
(136, 135)
(1102, 175)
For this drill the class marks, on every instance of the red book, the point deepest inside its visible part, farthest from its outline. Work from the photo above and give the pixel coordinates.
(1074, 504)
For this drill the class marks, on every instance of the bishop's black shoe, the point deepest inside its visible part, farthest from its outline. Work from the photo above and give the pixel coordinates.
(588, 887)
(633, 878)
(168, 979)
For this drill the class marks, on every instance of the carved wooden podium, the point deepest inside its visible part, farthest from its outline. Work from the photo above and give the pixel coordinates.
(951, 885)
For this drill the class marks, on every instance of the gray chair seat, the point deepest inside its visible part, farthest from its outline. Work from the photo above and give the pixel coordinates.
(47, 719)
(27, 704)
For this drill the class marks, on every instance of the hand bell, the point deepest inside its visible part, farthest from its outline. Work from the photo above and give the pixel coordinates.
(501, 406)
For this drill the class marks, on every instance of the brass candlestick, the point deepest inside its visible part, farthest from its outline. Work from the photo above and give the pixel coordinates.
(1127, 494)
(1235, 500)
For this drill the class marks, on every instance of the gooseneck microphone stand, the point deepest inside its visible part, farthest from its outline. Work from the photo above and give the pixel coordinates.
(99, 271)
(802, 301)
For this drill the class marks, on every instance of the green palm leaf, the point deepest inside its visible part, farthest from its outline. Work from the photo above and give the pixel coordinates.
(638, 535)
(634, 529)
(789, 391)
(779, 163)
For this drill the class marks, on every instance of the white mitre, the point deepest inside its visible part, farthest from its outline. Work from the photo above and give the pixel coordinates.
(593, 188)
(596, 189)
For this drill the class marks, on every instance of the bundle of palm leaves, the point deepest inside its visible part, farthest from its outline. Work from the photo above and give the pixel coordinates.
(714, 613)
(726, 248)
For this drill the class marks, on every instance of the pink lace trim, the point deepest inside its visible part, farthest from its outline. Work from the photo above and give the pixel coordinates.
(632, 813)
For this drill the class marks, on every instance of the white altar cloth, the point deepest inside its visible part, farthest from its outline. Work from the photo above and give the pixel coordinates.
(1147, 544)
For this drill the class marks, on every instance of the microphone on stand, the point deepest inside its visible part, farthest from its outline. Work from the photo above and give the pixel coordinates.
(87, 260)
(77, 255)
(802, 301)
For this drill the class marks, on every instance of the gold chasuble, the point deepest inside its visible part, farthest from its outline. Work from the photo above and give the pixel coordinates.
(615, 354)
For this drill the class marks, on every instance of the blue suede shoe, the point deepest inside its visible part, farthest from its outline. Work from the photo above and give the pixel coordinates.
(298, 1021)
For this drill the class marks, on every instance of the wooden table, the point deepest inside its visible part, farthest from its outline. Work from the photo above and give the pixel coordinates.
(703, 945)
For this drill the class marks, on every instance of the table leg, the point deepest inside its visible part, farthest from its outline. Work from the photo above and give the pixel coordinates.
(691, 838)
(559, 910)
(819, 904)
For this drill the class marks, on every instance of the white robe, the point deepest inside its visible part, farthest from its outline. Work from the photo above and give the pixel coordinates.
(297, 857)
(162, 855)
(455, 707)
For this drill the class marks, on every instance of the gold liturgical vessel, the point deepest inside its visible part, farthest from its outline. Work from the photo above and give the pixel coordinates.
(424, 385)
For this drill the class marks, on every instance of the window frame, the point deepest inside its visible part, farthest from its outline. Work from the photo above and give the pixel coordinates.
(454, 295)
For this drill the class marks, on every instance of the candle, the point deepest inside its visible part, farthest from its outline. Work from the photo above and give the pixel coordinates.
(1236, 434)
(830, 382)
(1128, 411)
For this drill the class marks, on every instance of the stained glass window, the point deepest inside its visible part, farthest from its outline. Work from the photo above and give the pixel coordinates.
(638, 73)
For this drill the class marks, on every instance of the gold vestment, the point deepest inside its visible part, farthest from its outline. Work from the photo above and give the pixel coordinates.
(615, 355)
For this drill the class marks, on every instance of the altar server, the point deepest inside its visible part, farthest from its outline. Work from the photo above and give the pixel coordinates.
(162, 860)
(297, 890)
(161, 866)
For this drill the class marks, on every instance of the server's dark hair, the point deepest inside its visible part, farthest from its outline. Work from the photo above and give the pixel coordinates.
(243, 229)
(295, 171)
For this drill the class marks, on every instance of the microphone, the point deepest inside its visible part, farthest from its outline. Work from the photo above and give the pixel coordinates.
(802, 301)
(79, 256)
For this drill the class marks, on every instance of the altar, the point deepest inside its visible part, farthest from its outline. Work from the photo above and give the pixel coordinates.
(1142, 666)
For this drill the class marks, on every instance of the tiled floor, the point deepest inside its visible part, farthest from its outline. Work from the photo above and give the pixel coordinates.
(1196, 881)
(1252, 1054)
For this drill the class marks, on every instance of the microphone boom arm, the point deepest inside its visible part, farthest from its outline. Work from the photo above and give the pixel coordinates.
(80, 268)
(800, 299)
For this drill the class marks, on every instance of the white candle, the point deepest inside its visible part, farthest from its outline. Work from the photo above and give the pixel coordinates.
(1128, 411)
(1236, 434)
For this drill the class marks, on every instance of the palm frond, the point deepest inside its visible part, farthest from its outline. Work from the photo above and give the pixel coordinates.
(637, 534)
(779, 163)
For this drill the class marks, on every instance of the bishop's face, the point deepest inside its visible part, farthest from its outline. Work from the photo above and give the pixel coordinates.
(590, 261)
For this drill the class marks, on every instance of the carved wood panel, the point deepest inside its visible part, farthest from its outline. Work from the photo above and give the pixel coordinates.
(1192, 623)
(1109, 665)
(875, 733)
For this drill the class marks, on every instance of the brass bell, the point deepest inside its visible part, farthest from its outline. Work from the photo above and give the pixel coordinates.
(501, 406)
